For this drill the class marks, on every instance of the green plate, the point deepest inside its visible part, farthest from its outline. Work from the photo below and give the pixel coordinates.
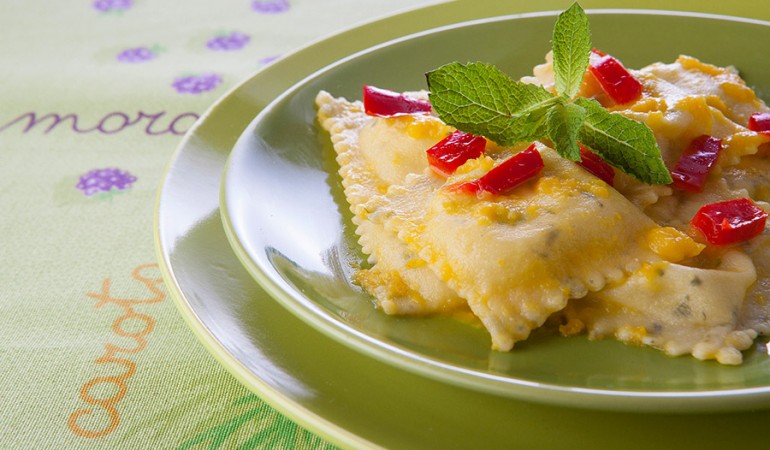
(287, 220)
(344, 395)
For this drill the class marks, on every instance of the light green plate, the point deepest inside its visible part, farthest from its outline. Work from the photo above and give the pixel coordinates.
(359, 401)
(287, 219)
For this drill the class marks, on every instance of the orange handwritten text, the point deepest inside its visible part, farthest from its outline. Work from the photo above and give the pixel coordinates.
(102, 415)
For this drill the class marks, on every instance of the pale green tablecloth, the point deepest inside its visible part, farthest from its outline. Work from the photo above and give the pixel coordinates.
(94, 97)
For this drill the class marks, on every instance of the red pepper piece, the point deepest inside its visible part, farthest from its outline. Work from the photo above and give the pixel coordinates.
(616, 81)
(452, 151)
(596, 165)
(696, 162)
(760, 122)
(729, 222)
(384, 103)
(506, 176)
(469, 187)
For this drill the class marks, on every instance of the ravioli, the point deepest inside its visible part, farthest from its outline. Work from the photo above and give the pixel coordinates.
(565, 249)
(675, 308)
(681, 101)
(518, 258)
(688, 98)
(373, 154)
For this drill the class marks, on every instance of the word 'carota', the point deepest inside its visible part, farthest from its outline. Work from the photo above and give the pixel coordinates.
(102, 414)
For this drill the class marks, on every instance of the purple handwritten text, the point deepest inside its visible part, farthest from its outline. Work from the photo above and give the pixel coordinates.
(155, 124)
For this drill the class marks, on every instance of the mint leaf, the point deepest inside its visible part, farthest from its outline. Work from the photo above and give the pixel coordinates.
(480, 99)
(571, 49)
(625, 143)
(563, 121)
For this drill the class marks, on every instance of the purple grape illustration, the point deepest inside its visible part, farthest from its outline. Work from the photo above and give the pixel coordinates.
(196, 84)
(107, 6)
(225, 42)
(268, 59)
(136, 55)
(270, 6)
(105, 180)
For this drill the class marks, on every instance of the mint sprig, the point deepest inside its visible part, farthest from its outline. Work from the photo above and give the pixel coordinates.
(478, 98)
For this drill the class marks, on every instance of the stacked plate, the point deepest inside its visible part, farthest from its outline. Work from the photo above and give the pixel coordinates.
(256, 245)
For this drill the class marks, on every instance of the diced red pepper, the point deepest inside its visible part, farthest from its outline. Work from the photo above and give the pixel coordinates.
(760, 122)
(729, 222)
(616, 81)
(596, 165)
(452, 151)
(384, 103)
(696, 162)
(507, 175)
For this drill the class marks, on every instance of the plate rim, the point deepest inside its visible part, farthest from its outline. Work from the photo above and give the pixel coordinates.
(283, 404)
(313, 422)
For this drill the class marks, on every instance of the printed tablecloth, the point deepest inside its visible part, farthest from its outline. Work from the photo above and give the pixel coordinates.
(94, 97)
